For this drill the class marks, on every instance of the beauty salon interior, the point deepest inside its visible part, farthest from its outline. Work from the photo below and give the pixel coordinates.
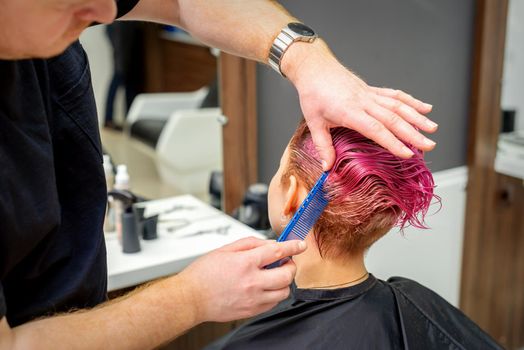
(192, 137)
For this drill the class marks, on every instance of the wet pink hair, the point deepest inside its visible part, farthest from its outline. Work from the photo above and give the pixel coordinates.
(369, 189)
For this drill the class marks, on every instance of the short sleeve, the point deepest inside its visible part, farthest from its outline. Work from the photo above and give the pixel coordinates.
(3, 306)
(124, 6)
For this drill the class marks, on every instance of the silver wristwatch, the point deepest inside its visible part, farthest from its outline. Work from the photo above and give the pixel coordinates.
(291, 33)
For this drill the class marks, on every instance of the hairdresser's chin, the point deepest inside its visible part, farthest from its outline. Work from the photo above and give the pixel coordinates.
(45, 28)
(37, 50)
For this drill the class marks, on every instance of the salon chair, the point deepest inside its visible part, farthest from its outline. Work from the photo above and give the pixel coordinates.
(187, 138)
(149, 112)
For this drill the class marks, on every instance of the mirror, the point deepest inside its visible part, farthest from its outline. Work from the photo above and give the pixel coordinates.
(143, 73)
(510, 154)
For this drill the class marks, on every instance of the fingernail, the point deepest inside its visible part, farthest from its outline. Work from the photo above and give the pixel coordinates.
(431, 124)
(430, 143)
(407, 152)
(302, 245)
(427, 105)
(324, 165)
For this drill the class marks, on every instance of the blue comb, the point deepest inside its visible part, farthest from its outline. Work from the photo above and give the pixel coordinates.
(305, 217)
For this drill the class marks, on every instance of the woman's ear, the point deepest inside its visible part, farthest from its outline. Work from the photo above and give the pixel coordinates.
(292, 197)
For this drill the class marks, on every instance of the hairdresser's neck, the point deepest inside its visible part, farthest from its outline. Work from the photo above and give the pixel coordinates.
(313, 271)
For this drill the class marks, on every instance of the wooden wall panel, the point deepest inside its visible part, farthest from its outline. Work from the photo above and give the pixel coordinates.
(492, 288)
(238, 103)
(174, 66)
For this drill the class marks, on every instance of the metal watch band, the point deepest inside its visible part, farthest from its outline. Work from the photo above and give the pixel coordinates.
(280, 45)
(282, 42)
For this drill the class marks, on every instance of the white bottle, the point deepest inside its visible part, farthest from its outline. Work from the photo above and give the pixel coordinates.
(122, 178)
(121, 183)
(109, 220)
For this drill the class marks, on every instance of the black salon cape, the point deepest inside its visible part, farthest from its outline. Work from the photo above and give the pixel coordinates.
(397, 314)
(52, 187)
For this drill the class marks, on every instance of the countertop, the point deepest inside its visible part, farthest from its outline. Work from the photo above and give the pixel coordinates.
(192, 228)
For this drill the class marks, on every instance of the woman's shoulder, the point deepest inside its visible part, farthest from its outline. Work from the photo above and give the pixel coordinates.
(428, 317)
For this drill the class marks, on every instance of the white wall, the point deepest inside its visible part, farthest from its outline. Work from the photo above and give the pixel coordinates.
(513, 78)
(431, 257)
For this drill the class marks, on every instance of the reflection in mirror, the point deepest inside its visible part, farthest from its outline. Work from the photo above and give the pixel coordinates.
(510, 153)
(157, 99)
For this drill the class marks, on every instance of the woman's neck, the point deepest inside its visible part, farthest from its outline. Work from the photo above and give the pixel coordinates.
(313, 271)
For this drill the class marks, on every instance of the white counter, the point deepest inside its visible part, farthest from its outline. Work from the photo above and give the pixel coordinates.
(510, 154)
(174, 250)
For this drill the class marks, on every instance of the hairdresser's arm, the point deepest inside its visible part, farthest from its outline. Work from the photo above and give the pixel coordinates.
(227, 284)
(330, 95)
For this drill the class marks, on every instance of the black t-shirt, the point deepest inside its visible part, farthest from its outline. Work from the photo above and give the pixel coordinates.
(52, 187)
(397, 314)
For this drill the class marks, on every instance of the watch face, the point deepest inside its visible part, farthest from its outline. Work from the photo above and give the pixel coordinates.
(301, 29)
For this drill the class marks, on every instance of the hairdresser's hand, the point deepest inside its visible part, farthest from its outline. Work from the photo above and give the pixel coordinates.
(231, 283)
(331, 96)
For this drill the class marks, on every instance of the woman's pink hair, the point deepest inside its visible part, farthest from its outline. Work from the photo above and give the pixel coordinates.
(369, 189)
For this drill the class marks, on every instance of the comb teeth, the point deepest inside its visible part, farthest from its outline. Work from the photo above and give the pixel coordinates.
(308, 218)
(308, 213)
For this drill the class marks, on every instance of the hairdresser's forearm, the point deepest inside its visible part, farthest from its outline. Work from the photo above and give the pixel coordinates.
(141, 321)
(243, 28)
